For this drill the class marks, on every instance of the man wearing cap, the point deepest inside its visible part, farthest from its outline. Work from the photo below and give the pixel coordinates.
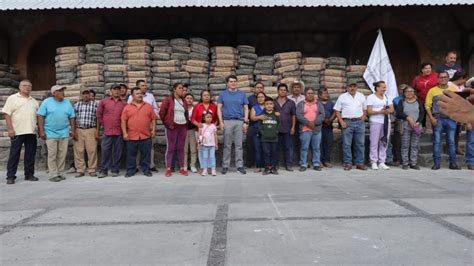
(150, 99)
(85, 137)
(138, 127)
(20, 115)
(351, 111)
(55, 116)
(109, 112)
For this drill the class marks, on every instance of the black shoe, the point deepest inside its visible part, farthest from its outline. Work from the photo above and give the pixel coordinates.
(289, 169)
(136, 170)
(454, 167)
(470, 167)
(173, 170)
(275, 171)
(79, 175)
(435, 167)
(266, 171)
(154, 169)
(129, 175)
(62, 177)
(224, 171)
(414, 166)
(241, 170)
(10, 181)
(302, 168)
(115, 174)
(55, 179)
(148, 174)
(102, 175)
(405, 167)
(317, 168)
(31, 178)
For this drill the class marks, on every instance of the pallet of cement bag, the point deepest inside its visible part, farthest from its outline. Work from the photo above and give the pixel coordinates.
(287, 55)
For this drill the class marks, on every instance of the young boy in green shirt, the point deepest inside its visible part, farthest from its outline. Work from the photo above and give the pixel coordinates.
(268, 130)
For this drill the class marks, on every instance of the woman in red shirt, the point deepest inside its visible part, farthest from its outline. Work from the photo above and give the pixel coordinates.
(424, 82)
(204, 106)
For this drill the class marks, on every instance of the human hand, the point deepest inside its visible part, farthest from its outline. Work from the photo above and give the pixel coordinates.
(11, 133)
(456, 107)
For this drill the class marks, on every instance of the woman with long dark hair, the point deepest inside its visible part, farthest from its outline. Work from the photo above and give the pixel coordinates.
(174, 114)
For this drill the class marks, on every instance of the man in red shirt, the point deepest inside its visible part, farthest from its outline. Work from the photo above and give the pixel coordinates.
(108, 116)
(138, 126)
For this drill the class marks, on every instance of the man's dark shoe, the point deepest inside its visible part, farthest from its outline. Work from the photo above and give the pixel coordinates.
(102, 175)
(93, 174)
(302, 168)
(79, 175)
(289, 169)
(470, 167)
(414, 166)
(10, 181)
(274, 171)
(62, 177)
(347, 167)
(127, 175)
(435, 167)
(362, 167)
(405, 167)
(224, 171)
(154, 169)
(266, 171)
(136, 171)
(31, 178)
(115, 174)
(317, 168)
(241, 170)
(454, 167)
(148, 174)
(55, 179)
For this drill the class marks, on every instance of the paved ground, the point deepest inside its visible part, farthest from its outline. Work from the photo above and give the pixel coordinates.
(331, 217)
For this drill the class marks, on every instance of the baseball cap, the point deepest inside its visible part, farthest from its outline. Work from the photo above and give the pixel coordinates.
(352, 84)
(115, 85)
(57, 88)
(84, 89)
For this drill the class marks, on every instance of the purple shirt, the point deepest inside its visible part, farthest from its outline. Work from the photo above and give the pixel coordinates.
(287, 111)
(109, 113)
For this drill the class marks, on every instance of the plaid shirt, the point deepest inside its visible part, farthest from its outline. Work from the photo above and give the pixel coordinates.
(86, 114)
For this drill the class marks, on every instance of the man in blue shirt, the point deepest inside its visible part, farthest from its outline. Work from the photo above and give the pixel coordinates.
(450, 65)
(55, 116)
(233, 112)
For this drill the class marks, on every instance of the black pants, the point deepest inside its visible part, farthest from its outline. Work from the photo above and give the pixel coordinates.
(250, 148)
(327, 139)
(270, 154)
(14, 158)
(133, 146)
(397, 146)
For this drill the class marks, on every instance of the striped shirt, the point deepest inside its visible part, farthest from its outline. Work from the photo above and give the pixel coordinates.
(86, 114)
(179, 117)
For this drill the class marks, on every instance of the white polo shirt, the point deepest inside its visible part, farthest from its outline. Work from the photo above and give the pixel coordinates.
(22, 111)
(297, 99)
(351, 107)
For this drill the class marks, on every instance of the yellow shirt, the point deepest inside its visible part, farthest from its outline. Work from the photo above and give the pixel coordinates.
(432, 98)
(22, 111)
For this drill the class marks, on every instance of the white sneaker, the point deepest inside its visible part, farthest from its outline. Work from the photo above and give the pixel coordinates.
(374, 166)
(383, 166)
(204, 173)
(193, 169)
(214, 173)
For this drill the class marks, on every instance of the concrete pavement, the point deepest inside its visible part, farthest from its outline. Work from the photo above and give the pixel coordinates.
(329, 217)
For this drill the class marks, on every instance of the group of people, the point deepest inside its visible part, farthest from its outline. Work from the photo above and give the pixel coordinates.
(298, 119)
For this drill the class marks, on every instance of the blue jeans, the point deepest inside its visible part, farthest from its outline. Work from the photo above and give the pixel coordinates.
(307, 138)
(285, 141)
(355, 131)
(111, 149)
(257, 145)
(145, 151)
(469, 157)
(207, 157)
(447, 126)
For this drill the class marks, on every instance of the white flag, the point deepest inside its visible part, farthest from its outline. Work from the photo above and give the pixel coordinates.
(380, 69)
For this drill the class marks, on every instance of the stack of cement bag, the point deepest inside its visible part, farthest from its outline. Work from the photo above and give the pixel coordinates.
(91, 74)
(264, 71)
(114, 68)
(334, 76)
(247, 60)
(355, 74)
(73, 92)
(67, 60)
(224, 60)
(162, 67)
(287, 66)
(197, 66)
(180, 53)
(311, 71)
(137, 54)
(9, 76)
